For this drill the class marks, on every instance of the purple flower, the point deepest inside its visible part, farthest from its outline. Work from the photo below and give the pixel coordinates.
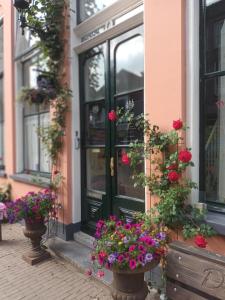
(127, 226)
(126, 240)
(112, 258)
(148, 257)
(161, 236)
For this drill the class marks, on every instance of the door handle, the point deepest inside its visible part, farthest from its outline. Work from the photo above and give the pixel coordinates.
(112, 166)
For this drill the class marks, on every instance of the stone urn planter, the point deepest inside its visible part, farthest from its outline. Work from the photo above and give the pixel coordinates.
(34, 231)
(130, 285)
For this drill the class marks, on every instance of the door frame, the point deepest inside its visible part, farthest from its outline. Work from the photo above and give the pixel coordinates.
(110, 184)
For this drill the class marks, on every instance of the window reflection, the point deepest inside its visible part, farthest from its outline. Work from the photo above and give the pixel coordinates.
(88, 8)
(125, 183)
(95, 124)
(215, 139)
(130, 65)
(95, 169)
(94, 74)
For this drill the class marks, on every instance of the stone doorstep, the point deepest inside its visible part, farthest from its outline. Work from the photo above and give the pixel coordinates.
(78, 253)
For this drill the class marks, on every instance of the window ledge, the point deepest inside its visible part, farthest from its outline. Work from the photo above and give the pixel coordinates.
(32, 180)
(3, 174)
(217, 221)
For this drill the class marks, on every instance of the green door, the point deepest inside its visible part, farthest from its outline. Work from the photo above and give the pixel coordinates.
(112, 75)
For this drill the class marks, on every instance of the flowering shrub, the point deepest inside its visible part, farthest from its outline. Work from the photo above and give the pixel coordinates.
(128, 245)
(169, 160)
(32, 207)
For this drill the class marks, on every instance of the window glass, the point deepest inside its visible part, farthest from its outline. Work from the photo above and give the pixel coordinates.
(215, 36)
(95, 169)
(94, 74)
(88, 8)
(130, 65)
(36, 157)
(215, 139)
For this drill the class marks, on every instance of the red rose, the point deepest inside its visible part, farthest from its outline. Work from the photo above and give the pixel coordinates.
(200, 241)
(172, 167)
(125, 159)
(112, 116)
(173, 176)
(178, 124)
(185, 156)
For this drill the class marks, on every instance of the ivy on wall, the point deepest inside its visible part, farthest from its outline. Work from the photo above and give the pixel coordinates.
(46, 20)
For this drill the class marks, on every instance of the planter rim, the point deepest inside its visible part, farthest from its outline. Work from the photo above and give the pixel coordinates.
(144, 269)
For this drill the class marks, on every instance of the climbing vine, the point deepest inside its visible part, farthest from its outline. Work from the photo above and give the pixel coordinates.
(47, 23)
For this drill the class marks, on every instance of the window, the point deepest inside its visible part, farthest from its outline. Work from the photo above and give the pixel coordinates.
(87, 8)
(212, 108)
(1, 100)
(34, 116)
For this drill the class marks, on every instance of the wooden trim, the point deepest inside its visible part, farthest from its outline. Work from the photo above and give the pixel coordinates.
(110, 33)
(105, 15)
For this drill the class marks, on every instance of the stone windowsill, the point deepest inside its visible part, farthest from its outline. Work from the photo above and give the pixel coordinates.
(217, 221)
(32, 180)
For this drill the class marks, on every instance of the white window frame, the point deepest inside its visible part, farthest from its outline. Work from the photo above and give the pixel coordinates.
(192, 89)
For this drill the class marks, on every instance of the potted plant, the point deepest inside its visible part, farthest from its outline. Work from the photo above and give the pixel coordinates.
(34, 209)
(129, 249)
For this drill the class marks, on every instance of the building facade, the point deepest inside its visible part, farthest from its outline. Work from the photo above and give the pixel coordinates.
(166, 56)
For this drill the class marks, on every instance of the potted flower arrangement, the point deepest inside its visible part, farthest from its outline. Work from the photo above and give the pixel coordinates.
(129, 249)
(34, 209)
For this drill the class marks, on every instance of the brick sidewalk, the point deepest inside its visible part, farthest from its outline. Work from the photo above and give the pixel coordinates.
(54, 279)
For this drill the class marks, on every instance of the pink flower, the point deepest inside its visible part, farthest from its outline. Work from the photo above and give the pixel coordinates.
(112, 218)
(173, 176)
(185, 156)
(125, 159)
(120, 258)
(119, 223)
(132, 248)
(88, 272)
(132, 264)
(100, 274)
(112, 116)
(178, 124)
(127, 226)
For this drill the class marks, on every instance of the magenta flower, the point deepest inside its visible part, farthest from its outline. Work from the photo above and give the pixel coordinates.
(120, 258)
(127, 226)
(132, 264)
(132, 248)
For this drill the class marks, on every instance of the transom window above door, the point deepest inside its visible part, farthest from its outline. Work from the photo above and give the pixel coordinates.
(88, 8)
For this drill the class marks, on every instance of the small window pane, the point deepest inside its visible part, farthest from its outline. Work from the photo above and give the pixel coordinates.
(88, 8)
(31, 143)
(94, 74)
(126, 134)
(125, 183)
(45, 161)
(215, 37)
(95, 123)
(215, 139)
(130, 65)
(95, 169)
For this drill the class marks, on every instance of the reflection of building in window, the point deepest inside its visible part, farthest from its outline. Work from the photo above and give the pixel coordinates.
(34, 116)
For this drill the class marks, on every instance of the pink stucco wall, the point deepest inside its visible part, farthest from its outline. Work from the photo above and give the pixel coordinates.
(18, 188)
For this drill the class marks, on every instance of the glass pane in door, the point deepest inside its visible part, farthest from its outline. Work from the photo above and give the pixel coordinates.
(94, 74)
(95, 169)
(130, 65)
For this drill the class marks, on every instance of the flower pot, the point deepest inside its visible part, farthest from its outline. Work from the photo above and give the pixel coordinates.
(130, 285)
(34, 232)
